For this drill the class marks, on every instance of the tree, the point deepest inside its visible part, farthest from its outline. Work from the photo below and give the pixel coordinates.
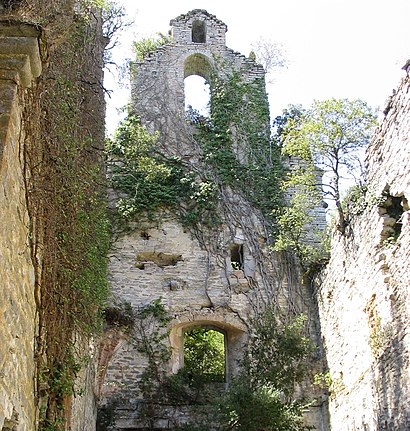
(295, 220)
(275, 361)
(280, 123)
(204, 355)
(330, 136)
(269, 54)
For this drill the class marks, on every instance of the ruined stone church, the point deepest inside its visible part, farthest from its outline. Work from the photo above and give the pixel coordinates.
(206, 263)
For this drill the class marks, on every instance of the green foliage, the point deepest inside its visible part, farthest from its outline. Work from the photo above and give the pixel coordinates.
(236, 142)
(295, 232)
(67, 206)
(248, 409)
(330, 136)
(331, 130)
(260, 397)
(380, 336)
(144, 47)
(274, 362)
(277, 352)
(237, 151)
(295, 221)
(280, 125)
(204, 355)
(149, 335)
(120, 315)
(323, 380)
(91, 281)
(62, 376)
(149, 182)
(153, 182)
(356, 200)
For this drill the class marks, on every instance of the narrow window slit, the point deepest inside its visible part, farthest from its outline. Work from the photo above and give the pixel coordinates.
(237, 256)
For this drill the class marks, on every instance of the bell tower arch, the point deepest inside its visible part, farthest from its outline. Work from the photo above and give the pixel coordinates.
(197, 47)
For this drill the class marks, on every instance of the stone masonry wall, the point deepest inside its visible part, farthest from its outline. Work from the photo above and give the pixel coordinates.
(26, 80)
(19, 64)
(190, 271)
(363, 294)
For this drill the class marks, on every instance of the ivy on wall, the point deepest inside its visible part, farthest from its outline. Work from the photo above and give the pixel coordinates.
(65, 181)
(261, 396)
(236, 141)
(236, 151)
(153, 182)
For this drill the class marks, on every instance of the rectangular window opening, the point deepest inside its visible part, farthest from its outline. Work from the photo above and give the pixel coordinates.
(237, 256)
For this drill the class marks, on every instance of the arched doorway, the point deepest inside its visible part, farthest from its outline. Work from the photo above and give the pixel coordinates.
(228, 339)
(204, 354)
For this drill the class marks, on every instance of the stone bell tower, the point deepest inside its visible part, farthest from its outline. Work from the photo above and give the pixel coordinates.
(197, 47)
(216, 275)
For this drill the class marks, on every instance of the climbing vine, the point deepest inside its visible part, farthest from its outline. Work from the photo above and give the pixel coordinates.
(237, 144)
(151, 181)
(259, 397)
(233, 171)
(66, 199)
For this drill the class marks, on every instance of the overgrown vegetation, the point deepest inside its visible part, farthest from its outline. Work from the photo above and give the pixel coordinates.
(235, 161)
(261, 396)
(237, 145)
(329, 136)
(65, 191)
(296, 230)
(325, 140)
(152, 181)
(204, 355)
(144, 47)
(274, 363)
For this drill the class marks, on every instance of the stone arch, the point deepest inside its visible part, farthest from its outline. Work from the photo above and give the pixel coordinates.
(197, 64)
(235, 338)
(109, 345)
(198, 31)
(197, 92)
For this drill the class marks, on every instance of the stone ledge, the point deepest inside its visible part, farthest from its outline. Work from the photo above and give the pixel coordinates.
(16, 68)
(8, 100)
(12, 53)
(20, 63)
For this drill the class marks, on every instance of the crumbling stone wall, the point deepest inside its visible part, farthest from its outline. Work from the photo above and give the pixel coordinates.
(363, 294)
(31, 57)
(163, 72)
(19, 65)
(189, 270)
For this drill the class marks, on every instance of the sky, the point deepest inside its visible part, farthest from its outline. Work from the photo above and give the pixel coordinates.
(334, 48)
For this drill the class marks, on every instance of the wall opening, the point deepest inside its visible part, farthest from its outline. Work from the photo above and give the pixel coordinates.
(205, 355)
(197, 98)
(198, 32)
(392, 211)
(234, 338)
(197, 92)
(237, 256)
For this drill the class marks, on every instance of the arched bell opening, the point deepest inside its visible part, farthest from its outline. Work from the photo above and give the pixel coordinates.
(197, 92)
